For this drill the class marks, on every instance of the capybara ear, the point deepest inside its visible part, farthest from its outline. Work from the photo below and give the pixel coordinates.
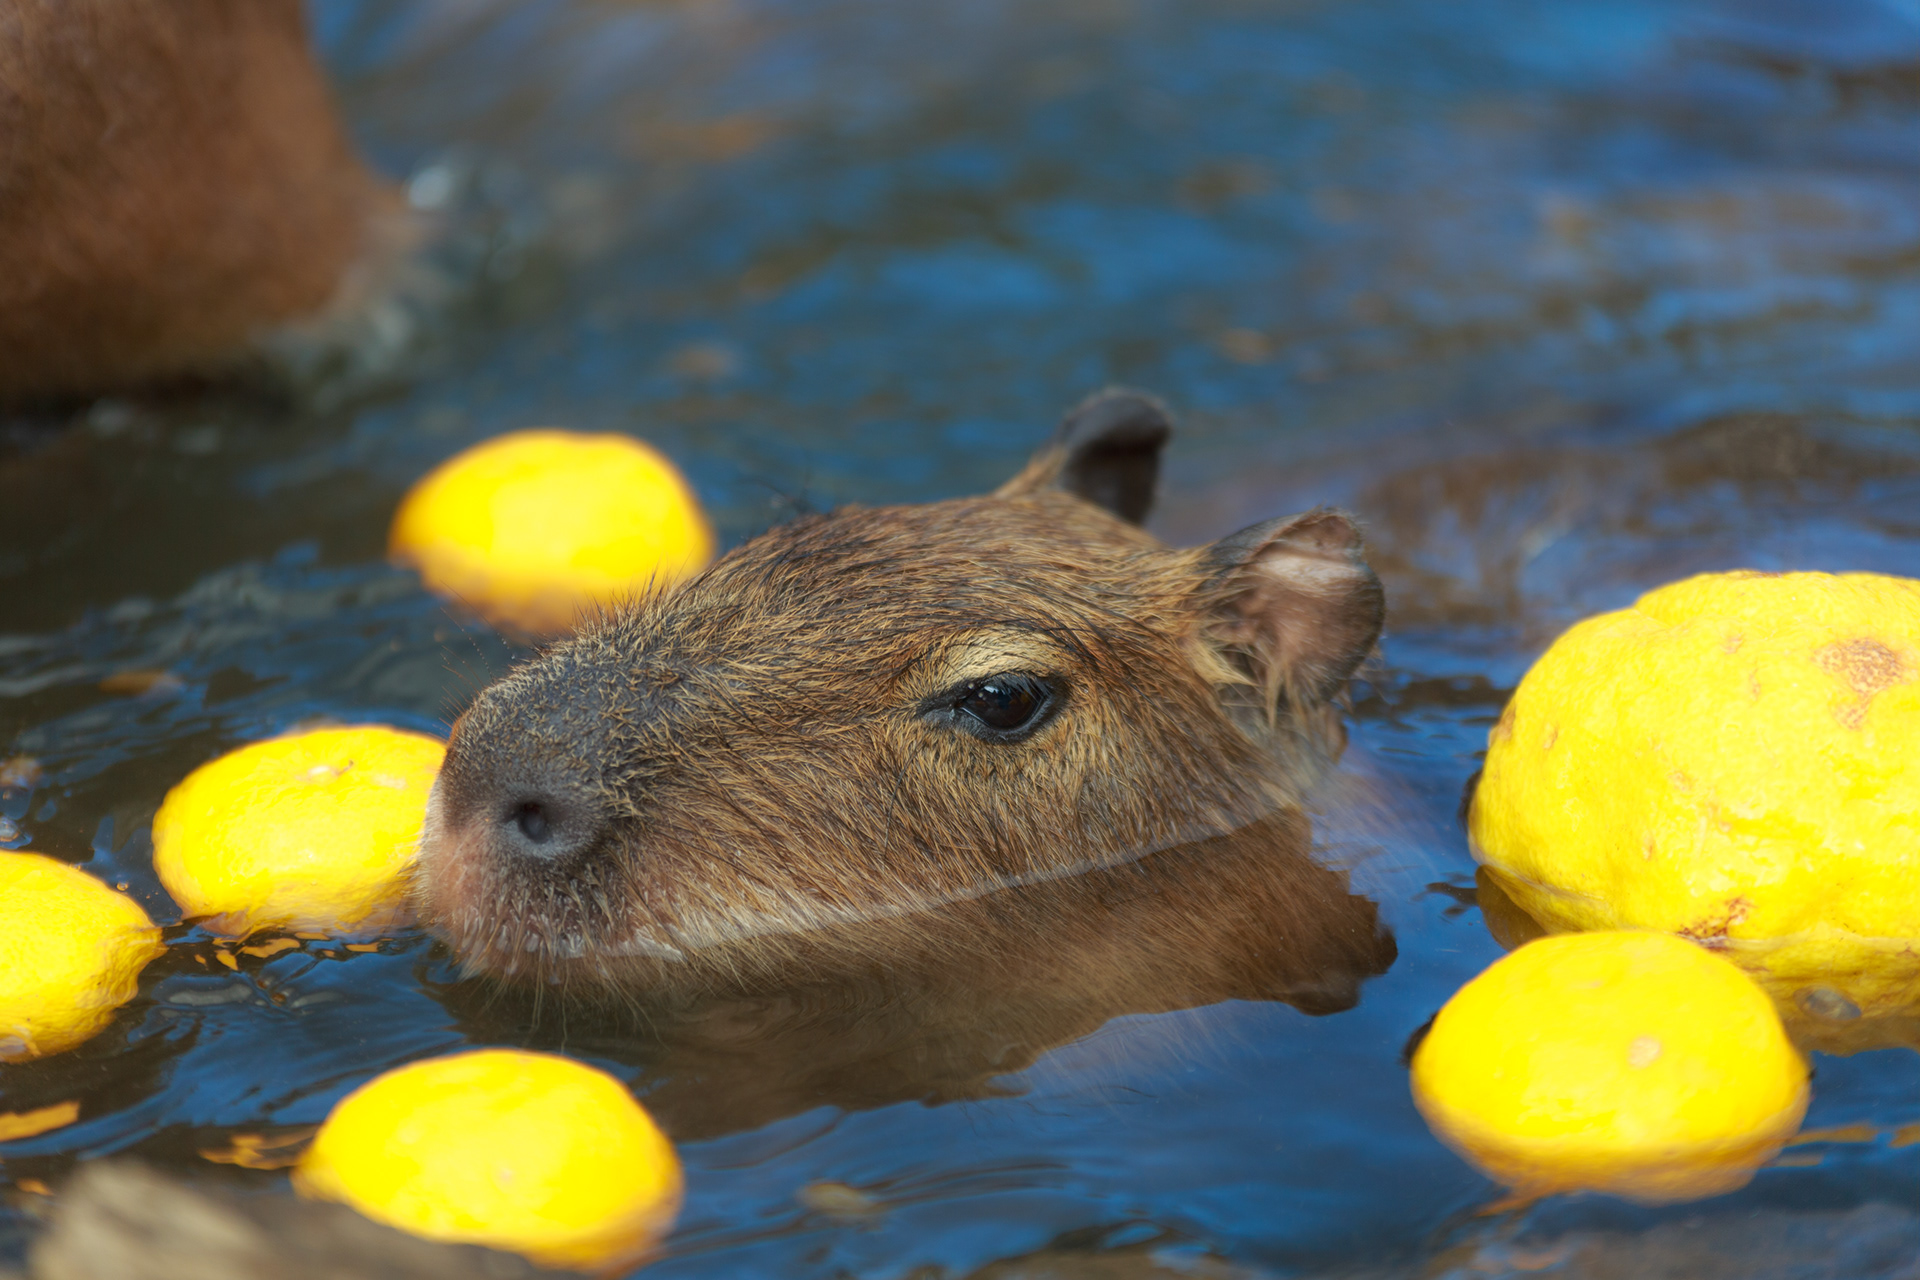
(1107, 451)
(1292, 604)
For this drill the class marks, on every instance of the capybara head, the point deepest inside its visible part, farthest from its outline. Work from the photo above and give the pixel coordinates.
(861, 714)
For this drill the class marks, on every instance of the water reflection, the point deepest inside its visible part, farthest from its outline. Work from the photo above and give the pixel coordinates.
(1546, 532)
(945, 1005)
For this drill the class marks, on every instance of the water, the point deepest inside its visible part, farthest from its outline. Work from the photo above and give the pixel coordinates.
(1565, 301)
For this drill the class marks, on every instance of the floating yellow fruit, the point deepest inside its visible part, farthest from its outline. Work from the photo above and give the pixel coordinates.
(71, 951)
(532, 528)
(523, 1151)
(1736, 759)
(316, 830)
(1637, 1064)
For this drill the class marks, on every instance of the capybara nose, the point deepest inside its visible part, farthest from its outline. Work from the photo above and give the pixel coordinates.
(553, 824)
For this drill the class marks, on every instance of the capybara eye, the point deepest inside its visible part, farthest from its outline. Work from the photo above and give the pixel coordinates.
(532, 820)
(1005, 704)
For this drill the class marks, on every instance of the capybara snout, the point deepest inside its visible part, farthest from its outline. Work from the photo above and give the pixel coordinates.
(865, 713)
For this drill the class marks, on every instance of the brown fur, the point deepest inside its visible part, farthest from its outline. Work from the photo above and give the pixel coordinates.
(173, 182)
(765, 753)
(975, 990)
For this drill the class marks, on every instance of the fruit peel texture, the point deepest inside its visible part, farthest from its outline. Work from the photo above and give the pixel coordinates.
(1635, 1063)
(71, 952)
(1734, 759)
(515, 1150)
(314, 830)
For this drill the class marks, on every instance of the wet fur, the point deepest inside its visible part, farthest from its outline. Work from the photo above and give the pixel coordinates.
(751, 754)
(975, 990)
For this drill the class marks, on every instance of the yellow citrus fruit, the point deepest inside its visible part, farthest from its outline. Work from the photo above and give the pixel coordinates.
(71, 951)
(531, 528)
(523, 1151)
(316, 830)
(1736, 759)
(1637, 1064)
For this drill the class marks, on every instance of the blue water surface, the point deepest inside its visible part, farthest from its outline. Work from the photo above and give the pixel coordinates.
(1563, 300)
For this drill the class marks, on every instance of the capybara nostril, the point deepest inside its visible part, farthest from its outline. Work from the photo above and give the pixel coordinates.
(547, 827)
(531, 817)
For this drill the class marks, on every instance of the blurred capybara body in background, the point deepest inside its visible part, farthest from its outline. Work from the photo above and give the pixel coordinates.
(174, 183)
(861, 715)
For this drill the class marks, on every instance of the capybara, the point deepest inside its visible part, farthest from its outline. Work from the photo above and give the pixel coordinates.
(974, 990)
(862, 714)
(174, 183)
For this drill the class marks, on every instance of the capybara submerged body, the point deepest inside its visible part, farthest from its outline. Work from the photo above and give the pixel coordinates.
(862, 714)
(943, 1004)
